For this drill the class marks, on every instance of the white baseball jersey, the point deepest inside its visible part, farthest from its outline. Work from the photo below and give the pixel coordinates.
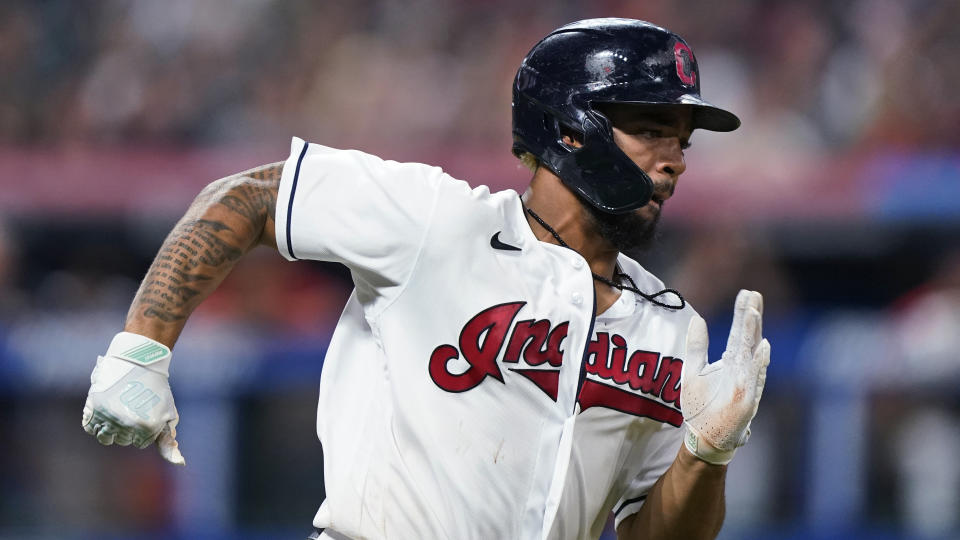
(467, 391)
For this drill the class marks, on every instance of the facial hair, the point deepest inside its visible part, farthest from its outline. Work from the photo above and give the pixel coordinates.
(631, 231)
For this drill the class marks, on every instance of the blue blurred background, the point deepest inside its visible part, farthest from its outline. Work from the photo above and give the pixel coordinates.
(839, 199)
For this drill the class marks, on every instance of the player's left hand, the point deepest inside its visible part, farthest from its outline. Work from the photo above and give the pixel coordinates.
(720, 399)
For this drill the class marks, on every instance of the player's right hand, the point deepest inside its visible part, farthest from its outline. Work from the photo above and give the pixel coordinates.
(130, 401)
(720, 399)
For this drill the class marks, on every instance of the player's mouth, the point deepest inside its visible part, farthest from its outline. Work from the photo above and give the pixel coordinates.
(661, 192)
(658, 199)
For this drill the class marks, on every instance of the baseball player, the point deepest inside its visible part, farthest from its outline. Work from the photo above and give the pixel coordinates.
(500, 370)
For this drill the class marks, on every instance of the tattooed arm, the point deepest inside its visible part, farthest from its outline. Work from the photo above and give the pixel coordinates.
(130, 401)
(228, 218)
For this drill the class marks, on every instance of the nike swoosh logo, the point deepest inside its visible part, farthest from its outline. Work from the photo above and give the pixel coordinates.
(495, 243)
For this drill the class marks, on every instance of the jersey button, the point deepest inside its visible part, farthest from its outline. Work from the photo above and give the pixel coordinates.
(576, 298)
(578, 263)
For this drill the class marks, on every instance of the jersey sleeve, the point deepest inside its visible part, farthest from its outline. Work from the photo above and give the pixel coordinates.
(350, 207)
(657, 456)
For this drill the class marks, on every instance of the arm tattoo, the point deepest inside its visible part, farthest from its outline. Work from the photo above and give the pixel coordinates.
(176, 276)
(255, 197)
(250, 202)
(226, 220)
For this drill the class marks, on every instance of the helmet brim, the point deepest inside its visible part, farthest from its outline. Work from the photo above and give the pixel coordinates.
(710, 117)
(705, 114)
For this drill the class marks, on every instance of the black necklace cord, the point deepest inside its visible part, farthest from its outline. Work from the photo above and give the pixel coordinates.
(617, 273)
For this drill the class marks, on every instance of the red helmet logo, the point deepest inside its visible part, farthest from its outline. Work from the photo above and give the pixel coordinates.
(684, 61)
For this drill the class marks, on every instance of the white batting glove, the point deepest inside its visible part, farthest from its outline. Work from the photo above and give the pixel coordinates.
(720, 399)
(130, 401)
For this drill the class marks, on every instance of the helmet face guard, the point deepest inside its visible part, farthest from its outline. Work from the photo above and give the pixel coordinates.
(599, 170)
(597, 61)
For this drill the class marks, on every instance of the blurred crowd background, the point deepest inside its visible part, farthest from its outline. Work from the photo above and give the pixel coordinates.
(838, 199)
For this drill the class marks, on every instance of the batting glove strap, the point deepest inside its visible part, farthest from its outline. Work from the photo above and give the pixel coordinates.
(141, 351)
(699, 447)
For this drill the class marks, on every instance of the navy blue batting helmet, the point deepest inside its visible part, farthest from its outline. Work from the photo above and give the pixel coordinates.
(593, 62)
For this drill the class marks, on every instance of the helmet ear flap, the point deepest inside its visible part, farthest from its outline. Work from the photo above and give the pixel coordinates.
(594, 122)
(563, 131)
(601, 124)
(560, 129)
(549, 122)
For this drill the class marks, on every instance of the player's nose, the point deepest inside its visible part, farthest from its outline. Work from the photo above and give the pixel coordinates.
(670, 161)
